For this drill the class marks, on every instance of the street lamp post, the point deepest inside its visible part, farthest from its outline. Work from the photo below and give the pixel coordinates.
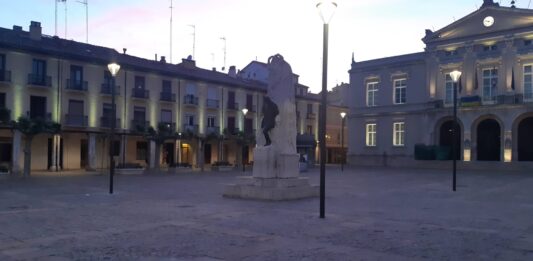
(326, 10)
(456, 76)
(113, 69)
(343, 115)
(244, 111)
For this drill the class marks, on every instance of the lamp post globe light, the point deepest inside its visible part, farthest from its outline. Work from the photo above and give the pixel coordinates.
(244, 112)
(343, 117)
(326, 10)
(456, 77)
(113, 68)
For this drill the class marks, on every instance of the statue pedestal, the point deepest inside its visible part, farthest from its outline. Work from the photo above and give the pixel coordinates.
(274, 178)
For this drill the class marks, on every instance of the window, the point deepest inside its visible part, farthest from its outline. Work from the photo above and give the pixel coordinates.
(249, 102)
(107, 110)
(371, 135)
(488, 48)
(527, 42)
(310, 129)
(190, 89)
(399, 134)
(108, 79)
(166, 116)
(490, 84)
(38, 72)
(189, 120)
(309, 108)
(76, 74)
(2, 67)
(450, 53)
(400, 87)
(75, 107)
(212, 93)
(448, 96)
(166, 87)
(528, 82)
(211, 121)
(2, 100)
(141, 150)
(139, 114)
(139, 82)
(371, 93)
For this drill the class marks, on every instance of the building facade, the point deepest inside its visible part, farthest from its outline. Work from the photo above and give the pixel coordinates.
(68, 82)
(399, 102)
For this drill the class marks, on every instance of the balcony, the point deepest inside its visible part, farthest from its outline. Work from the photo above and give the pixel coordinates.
(170, 125)
(75, 120)
(5, 115)
(140, 93)
(77, 85)
(489, 54)
(167, 96)
(233, 106)
(39, 80)
(105, 122)
(212, 130)
(39, 114)
(5, 76)
(106, 89)
(232, 131)
(190, 128)
(311, 116)
(139, 124)
(212, 104)
(249, 132)
(190, 100)
(250, 107)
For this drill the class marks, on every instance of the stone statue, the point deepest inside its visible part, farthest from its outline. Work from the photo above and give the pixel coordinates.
(270, 111)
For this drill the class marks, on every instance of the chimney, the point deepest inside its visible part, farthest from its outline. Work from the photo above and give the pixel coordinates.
(17, 28)
(214, 69)
(163, 59)
(155, 59)
(188, 63)
(124, 50)
(35, 30)
(232, 71)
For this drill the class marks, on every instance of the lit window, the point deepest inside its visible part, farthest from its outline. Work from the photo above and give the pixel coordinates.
(371, 93)
(371, 135)
(399, 134)
(400, 87)
(448, 99)
(528, 82)
(490, 84)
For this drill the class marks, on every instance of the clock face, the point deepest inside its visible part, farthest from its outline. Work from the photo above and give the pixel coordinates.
(488, 21)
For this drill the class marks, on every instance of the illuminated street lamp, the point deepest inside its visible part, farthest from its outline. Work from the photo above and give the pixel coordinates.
(113, 69)
(244, 111)
(343, 115)
(456, 76)
(326, 10)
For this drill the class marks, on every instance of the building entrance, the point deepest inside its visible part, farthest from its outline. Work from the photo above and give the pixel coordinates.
(525, 140)
(488, 141)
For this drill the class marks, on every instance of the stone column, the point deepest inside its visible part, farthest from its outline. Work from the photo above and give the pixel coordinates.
(123, 148)
(54, 156)
(92, 152)
(200, 155)
(17, 148)
(151, 161)
(178, 148)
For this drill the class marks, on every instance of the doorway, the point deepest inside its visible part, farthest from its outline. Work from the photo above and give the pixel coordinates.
(525, 140)
(488, 141)
(168, 154)
(207, 153)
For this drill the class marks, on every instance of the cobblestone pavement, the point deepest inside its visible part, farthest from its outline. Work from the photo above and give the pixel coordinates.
(371, 214)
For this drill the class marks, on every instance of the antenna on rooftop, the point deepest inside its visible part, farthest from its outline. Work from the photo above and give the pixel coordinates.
(171, 14)
(193, 40)
(529, 4)
(223, 38)
(513, 4)
(65, 2)
(86, 3)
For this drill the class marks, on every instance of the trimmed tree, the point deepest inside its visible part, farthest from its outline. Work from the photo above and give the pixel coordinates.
(163, 133)
(30, 128)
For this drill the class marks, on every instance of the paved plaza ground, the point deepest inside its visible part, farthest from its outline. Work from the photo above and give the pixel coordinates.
(372, 214)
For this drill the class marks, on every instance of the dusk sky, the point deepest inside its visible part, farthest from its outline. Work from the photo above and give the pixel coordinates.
(253, 29)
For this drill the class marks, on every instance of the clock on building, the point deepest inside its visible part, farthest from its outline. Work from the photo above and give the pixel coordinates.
(488, 21)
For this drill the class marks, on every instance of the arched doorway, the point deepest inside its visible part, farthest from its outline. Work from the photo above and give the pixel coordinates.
(446, 138)
(525, 140)
(488, 140)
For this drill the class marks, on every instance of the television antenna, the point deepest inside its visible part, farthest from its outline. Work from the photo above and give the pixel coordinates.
(223, 38)
(193, 40)
(86, 3)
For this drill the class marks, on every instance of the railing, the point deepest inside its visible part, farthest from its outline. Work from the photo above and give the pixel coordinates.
(140, 93)
(105, 122)
(250, 107)
(249, 131)
(136, 124)
(170, 125)
(76, 120)
(77, 85)
(232, 131)
(190, 128)
(233, 106)
(167, 96)
(212, 104)
(5, 76)
(39, 114)
(489, 99)
(213, 130)
(107, 88)
(190, 100)
(39, 80)
(311, 116)
(489, 54)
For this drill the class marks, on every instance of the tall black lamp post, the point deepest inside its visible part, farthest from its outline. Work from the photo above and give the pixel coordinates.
(456, 75)
(326, 9)
(113, 69)
(244, 111)
(343, 117)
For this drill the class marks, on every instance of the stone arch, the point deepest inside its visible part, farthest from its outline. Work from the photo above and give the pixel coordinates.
(445, 139)
(523, 143)
(495, 146)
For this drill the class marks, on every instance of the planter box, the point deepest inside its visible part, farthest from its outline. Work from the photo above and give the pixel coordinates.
(129, 171)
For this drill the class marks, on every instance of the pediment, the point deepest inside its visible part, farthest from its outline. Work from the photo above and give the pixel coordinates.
(506, 20)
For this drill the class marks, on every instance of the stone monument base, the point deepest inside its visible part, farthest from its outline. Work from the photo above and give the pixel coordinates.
(271, 189)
